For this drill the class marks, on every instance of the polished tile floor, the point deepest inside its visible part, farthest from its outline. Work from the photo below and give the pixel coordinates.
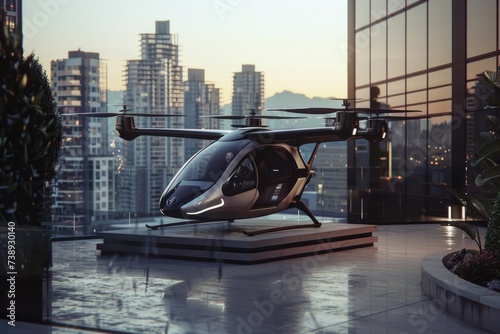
(366, 290)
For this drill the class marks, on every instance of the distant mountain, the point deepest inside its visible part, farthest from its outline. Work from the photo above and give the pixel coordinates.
(288, 99)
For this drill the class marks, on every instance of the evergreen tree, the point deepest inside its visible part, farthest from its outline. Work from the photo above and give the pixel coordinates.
(30, 134)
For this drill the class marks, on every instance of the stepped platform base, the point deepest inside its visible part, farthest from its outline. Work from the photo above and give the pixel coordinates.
(225, 242)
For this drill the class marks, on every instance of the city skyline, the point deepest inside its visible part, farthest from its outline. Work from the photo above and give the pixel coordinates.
(301, 47)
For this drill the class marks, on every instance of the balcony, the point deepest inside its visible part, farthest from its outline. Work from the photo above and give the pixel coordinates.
(69, 72)
(66, 93)
(71, 103)
(64, 83)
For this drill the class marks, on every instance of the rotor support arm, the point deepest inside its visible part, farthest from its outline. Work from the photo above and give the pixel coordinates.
(127, 130)
(303, 136)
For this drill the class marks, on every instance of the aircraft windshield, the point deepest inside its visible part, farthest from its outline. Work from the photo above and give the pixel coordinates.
(209, 164)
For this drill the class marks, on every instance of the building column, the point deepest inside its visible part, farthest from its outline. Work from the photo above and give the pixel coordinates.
(459, 91)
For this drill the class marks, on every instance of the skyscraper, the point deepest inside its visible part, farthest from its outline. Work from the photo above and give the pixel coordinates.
(200, 99)
(154, 85)
(248, 91)
(85, 184)
(14, 14)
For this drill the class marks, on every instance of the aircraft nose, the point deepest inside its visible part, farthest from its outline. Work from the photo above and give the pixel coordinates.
(172, 201)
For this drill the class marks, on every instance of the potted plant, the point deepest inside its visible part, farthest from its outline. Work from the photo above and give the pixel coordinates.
(30, 141)
(482, 267)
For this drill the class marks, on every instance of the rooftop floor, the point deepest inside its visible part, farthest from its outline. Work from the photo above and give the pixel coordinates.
(366, 290)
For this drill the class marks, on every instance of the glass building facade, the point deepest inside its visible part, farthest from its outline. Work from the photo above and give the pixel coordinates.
(428, 56)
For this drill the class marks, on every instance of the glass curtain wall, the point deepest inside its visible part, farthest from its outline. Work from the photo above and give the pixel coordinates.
(403, 60)
(437, 56)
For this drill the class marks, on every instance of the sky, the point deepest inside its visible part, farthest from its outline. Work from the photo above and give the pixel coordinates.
(299, 45)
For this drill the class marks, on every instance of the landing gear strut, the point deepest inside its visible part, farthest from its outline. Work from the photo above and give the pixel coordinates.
(297, 204)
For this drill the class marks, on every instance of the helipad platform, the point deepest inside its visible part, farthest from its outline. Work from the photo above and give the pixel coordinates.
(225, 242)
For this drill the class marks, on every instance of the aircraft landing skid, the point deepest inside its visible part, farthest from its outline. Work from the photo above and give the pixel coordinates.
(299, 205)
(276, 229)
(159, 226)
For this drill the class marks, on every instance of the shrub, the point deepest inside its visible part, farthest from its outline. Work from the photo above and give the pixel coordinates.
(492, 236)
(480, 268)
(30, 134)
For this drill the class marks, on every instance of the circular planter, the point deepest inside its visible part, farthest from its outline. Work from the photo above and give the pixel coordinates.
(472, 303)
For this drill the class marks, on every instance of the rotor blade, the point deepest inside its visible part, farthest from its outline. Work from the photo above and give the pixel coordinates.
(382, 111)
(225, 116)
(308, 110)
(395, 118)
(110, 114)
(230, 117)
(386, 118)
(280, 117)
(241, 126)
(328, 110)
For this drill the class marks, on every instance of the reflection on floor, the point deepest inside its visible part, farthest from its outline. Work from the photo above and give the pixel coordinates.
(366, 290)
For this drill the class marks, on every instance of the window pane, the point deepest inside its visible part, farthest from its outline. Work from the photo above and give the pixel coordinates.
(478, 67)
(418, 97)
(416, 148)
(364, 96)
(10, 5)
(362, 58)
(396, 87)
(396, 137)
(378, 54)
(416, 169)
(481, 27)
(420, 107)
(417, 39)
(378, 9)
(440, 93)
(382, 89)
(395, 5)
(396, 101)
(481, 94)
(396, 46)
(439, 32)
(438, 78)
(440, 107)
(362, 13)
(409, 2)
(439, 156)
(416, 83)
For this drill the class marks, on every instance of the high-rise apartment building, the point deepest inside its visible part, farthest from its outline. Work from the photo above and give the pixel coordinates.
(201, 99)
(85, 186)
(154, 85)
(14, 14)
(248, 91)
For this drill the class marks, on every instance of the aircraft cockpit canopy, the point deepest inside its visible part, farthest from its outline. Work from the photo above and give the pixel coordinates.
(202, 171)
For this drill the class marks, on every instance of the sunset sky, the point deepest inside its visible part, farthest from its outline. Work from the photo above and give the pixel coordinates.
(299, 45)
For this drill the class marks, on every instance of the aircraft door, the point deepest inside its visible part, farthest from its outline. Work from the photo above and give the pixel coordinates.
(276, 168)
(242, 179)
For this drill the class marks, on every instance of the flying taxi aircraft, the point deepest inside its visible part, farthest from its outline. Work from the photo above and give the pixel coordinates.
(251, 171)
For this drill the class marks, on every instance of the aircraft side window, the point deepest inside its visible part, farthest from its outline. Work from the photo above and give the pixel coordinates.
(306, 151)
(276, 165)
(243, 178)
